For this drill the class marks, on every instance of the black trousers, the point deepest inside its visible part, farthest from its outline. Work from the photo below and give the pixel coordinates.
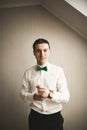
(39, 121)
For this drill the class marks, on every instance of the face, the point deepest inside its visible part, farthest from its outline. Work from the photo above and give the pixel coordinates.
(41, 53)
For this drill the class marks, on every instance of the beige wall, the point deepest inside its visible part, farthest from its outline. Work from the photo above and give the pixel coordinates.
(19, 27)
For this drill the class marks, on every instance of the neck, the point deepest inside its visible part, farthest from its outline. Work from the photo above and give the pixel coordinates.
(42, 64)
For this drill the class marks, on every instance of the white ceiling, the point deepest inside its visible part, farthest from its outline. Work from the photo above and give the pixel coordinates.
(80, 5)
(71, 15)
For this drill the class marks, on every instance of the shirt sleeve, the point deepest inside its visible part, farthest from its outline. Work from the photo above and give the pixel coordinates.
(25, 93)
(61, 95)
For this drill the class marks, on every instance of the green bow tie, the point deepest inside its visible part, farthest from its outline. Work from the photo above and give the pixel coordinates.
(42, 68)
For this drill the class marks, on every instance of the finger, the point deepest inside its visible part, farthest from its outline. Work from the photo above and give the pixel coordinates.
(38, 86)
(41, 89)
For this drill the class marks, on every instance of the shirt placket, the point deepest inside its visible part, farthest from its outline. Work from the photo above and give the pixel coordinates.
(42, 84)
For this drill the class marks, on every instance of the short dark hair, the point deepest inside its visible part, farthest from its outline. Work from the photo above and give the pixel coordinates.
(40, 41)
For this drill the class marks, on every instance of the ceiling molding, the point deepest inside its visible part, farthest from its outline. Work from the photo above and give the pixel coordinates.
(18, 3)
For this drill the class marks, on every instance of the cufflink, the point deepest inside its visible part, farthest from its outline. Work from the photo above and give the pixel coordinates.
(50, 94)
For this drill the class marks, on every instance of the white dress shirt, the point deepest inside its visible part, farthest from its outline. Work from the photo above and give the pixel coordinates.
(54, 79)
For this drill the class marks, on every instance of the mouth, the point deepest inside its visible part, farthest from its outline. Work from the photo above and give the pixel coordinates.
(42, 58)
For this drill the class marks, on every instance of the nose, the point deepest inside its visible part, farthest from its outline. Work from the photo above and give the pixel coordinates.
(42, 53)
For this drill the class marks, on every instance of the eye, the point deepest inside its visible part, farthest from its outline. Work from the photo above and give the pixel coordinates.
(45, 50)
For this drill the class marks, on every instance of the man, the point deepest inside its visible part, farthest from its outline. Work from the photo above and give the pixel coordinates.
(45, 89)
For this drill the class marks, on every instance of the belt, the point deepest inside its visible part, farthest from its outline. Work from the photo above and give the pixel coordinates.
(35, 113)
